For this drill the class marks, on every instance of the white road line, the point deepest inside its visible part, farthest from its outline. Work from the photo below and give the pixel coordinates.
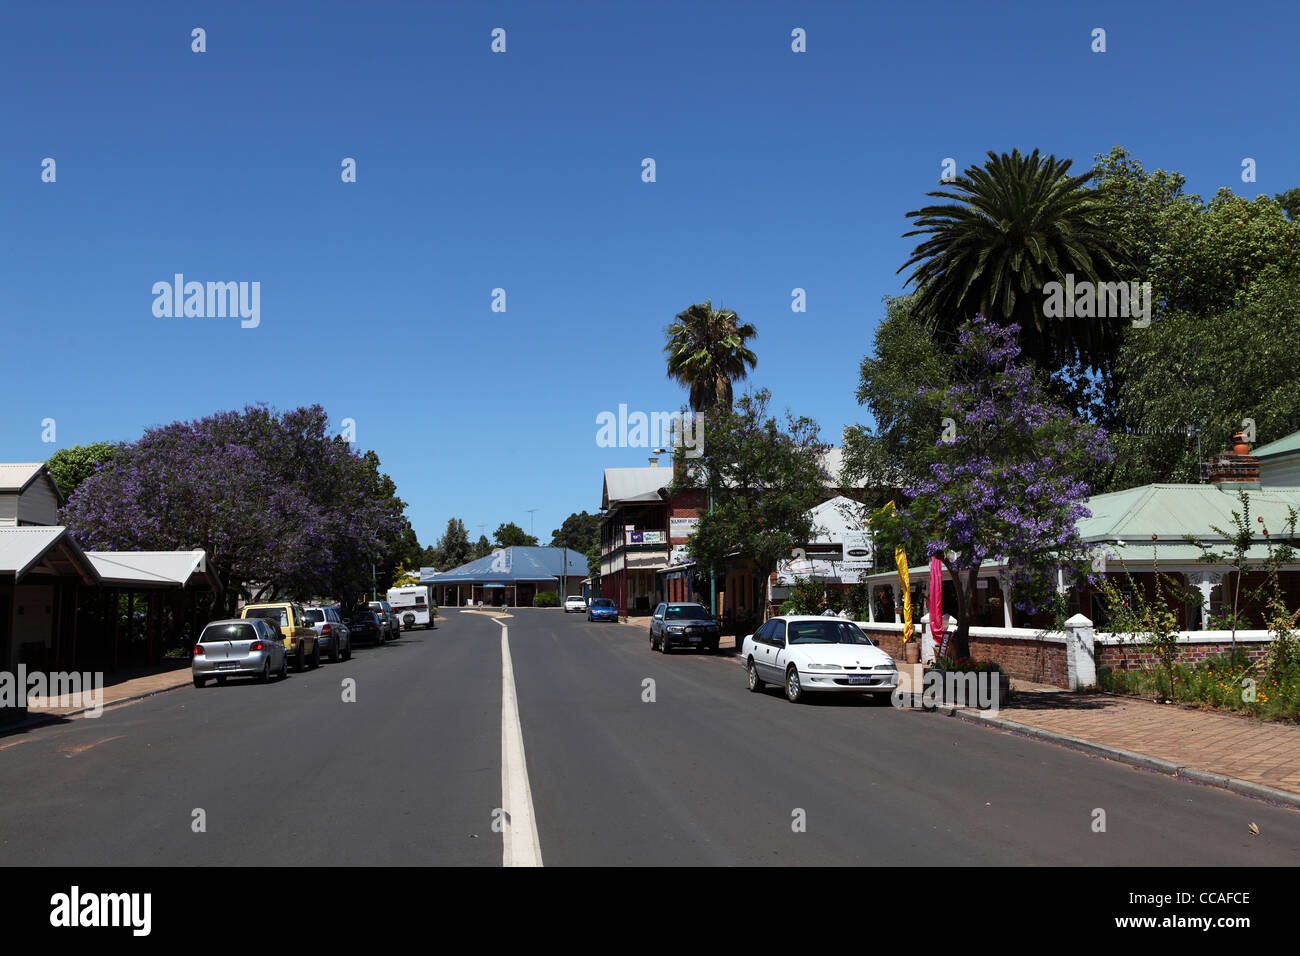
(520, 844)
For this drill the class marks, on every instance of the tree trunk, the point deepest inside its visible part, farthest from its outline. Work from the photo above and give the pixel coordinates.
(959, 643)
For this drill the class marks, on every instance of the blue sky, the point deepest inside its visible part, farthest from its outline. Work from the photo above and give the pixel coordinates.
(522, 171)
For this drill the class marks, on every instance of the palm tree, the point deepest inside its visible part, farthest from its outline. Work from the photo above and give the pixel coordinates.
(707, 351)
(1011, 227)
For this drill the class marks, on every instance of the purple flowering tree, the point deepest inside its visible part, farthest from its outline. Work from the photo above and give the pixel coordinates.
(1008, 477)
(282, 508)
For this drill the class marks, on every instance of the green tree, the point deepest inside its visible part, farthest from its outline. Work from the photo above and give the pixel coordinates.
(482, 548)
(69, 467)
(511, 535)
(707, 352)
(453, 548)
(1290, 202)
(577, 531)
(1207, 373)
(1009, 228)
(763, 479)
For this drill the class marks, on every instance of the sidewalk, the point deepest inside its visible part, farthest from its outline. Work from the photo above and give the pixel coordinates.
(120, 687)
(1198, 744)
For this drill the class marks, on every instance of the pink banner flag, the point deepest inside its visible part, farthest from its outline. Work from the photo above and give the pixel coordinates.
(936, 600)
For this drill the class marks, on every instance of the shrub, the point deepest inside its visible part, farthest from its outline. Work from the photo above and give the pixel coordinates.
(546, 599)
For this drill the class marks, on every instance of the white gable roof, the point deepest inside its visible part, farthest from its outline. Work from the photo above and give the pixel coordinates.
(147, 567)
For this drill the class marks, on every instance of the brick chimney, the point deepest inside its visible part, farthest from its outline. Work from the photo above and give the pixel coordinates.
(1231, 470)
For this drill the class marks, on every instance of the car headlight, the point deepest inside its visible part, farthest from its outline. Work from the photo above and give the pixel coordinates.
(674, 628)
(823, 667)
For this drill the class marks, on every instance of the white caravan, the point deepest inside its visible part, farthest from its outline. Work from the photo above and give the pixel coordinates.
(412, 605)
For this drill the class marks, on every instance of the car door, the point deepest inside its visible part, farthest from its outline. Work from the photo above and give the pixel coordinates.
(657, 621)
(764, 649)
(274, 644)
(780, 653)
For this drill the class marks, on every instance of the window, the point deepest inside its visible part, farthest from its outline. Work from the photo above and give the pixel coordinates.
(826, 632)
(228, 632)
(276, 615)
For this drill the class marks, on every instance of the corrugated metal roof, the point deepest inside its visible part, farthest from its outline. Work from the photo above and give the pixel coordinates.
(635, 484)
(20, 548)
(17, 476)
(1286, 445)
(517, 563)
(1172, 511)
(147, 567)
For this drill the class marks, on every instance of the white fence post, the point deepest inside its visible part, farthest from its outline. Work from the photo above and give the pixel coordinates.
(1080, 653)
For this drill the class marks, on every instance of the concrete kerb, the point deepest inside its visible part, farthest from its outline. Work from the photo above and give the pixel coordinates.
(1244, 787)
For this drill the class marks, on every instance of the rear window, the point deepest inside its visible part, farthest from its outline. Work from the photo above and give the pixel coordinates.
(276, 615)
(313, 615)
(214, 633)
(602, 602)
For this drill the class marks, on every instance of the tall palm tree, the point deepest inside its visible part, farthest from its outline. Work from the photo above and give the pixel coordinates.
(707, 350)
(1012, 226)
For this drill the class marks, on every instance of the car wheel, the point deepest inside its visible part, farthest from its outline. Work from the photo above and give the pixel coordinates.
(663, 644)
(755, 682)
(284, 667)
(347, 651)
(793, 689)
(265, 676)
(334, 651)
(200, 681)
(299, 659)
(315, 657)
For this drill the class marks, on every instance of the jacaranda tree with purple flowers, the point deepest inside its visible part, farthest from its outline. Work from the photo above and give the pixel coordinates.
(1008, 477)
(283, 508)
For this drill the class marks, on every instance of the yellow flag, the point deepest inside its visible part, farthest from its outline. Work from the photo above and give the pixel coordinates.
(904, 580)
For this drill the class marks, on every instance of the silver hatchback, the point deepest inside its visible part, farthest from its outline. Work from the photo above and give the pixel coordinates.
(243, 647)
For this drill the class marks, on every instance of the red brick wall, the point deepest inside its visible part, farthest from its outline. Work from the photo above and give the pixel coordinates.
(1040, 661)
(1136, 656)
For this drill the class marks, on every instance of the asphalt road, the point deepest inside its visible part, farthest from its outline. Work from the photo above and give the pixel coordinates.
(704, 774)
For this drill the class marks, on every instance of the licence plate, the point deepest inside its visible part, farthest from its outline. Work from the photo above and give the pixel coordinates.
(858, 679)
(228, 666)
(695, 640)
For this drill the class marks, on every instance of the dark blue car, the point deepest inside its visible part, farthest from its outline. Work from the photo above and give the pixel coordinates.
(602, 609)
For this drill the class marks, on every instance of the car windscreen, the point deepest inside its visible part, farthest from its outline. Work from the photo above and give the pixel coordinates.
(688, 612)
(825, 632)
(276, 615)
(214, 633)
(602, 602)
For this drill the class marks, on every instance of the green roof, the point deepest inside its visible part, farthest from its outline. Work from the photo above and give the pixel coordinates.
(1283, 446)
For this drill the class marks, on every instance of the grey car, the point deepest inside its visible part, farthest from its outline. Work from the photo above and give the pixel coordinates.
(239, 647)
(335, 637)
(683, 625)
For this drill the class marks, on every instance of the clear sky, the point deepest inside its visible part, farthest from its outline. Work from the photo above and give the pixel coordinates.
(522, 171)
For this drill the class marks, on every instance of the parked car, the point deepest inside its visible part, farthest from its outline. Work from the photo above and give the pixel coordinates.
(575, 602)
(366, 626)
(602, 609)
(387, 617)
(336, 639)
(238, 647)
(686, 625)
(298, 636)
(413, 605)
(816, 654)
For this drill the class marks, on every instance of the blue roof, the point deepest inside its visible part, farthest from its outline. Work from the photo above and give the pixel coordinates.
(512, 564)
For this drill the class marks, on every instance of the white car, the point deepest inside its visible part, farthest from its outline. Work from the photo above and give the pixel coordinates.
(575, 602)
(814, 654)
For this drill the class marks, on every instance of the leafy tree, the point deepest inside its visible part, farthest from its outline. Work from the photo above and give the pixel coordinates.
(593, 563)
(453, 547)
(69, 467)
(1290, 202)
(1009, 228)
(577, 531)
(896, 448)
(482, 548)
(763, 481)
(281, 508)
(1207, 374)
(1008, 484)
(708, 351)
(511, 535)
